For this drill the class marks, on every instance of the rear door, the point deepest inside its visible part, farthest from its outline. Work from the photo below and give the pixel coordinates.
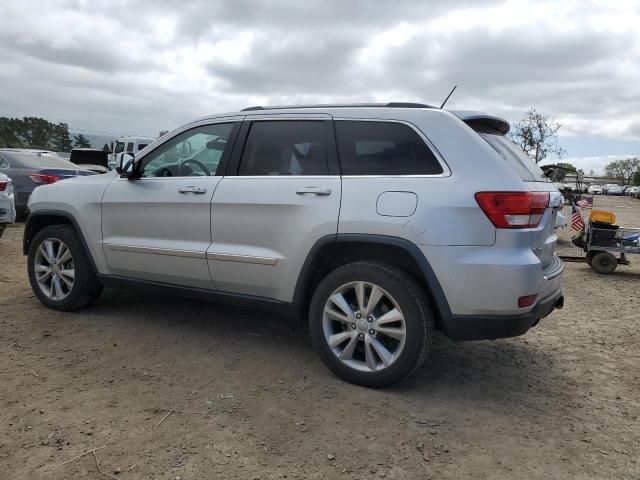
(281, 195)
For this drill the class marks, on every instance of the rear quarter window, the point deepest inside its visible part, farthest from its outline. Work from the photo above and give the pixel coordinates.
(383, 148)
(518, 160)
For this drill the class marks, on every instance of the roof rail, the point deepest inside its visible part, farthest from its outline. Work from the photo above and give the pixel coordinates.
(342, 105)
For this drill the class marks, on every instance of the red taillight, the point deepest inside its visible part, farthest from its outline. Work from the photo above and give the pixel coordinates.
(526, 301)
(42, 178)
(513, 209)
(3, 186)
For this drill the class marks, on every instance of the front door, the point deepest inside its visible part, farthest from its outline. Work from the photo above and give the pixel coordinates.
(158, 227)
(281, 196)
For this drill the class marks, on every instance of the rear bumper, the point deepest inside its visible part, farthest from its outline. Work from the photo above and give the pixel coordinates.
(22, 199)
(488, 327)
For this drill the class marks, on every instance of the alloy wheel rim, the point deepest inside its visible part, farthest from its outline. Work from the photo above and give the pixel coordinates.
(363, 326)
(54, 269)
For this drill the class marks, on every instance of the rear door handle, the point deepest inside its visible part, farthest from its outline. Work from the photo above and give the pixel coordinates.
(320, 192)
(196, 190)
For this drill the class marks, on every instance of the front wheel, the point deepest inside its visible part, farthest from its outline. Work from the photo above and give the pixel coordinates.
(59, 270)
(370, 323)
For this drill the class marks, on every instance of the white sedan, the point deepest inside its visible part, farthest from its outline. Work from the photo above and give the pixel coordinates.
(594, 190)
(7, 205)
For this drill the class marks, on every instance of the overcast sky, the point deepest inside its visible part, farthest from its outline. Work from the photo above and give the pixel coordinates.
(143, 66)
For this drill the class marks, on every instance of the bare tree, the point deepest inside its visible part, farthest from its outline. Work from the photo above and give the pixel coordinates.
(623, 169)
(537, 135)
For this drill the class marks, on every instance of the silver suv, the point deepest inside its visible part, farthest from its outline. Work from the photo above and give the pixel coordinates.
(378, 223)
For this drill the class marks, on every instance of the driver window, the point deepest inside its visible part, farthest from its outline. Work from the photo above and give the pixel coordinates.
(196, 152)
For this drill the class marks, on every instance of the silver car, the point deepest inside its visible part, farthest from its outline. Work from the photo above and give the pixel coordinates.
(31, 168)
(7, 204)
(378, 223)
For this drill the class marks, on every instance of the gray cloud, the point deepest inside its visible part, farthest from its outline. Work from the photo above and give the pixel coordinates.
(148, 65)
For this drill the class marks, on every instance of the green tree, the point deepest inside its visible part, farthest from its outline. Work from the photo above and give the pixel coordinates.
(27, 132)
(636, 178)
(9, 128)
(537, 135)
(567, 166)
(36, 132)
(61, 141)
(558, 171)
(81, 141)
(624, 170)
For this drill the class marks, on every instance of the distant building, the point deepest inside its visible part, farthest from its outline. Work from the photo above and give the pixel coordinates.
(592, 179)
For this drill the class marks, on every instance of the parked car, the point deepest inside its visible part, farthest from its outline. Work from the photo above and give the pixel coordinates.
(594, 189)
(7, 203)
(615, 190)
(92, 159)
(378, 223)
(31, 168)
(561, 220)
(124, 145)
(630, 190)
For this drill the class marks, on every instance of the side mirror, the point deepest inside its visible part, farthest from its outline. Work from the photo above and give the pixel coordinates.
(125, 165)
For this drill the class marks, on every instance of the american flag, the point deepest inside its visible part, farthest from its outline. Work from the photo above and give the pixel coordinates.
(576, 219)
(584, 204)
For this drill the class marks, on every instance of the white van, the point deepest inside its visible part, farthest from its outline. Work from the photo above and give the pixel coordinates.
(127, 145)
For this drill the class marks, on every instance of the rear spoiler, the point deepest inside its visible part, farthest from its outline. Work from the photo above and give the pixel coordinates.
(481, 119)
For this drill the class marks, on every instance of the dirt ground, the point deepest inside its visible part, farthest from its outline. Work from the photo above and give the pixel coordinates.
(559, 402)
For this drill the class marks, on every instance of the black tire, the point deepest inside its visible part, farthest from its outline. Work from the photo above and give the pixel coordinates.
(589, 257)
(86, 287)
(604, 262)
(21, 214)
(411, 300)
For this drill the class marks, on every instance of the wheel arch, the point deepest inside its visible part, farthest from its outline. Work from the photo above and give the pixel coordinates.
(38, 220)
(332, 251)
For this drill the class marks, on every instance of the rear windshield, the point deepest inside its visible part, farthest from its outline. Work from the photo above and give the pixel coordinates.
(33, 160)
(519, 161)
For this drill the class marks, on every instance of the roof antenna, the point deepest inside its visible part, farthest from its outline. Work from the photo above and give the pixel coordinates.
(450, 93)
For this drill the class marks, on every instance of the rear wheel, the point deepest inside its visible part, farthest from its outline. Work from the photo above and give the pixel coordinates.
(604, 262)
(59, 270)
(370, 323)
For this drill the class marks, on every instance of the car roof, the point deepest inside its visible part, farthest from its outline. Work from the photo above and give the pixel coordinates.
(26, 150)
(135, 139)
(18, 157)
(371, 109)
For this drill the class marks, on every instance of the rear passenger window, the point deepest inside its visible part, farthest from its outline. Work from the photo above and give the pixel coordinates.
(130, 147)
(383, 148)
(282, 147)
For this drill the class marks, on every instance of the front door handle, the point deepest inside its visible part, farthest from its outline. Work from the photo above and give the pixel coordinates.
(196, 190)
(321, 192)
